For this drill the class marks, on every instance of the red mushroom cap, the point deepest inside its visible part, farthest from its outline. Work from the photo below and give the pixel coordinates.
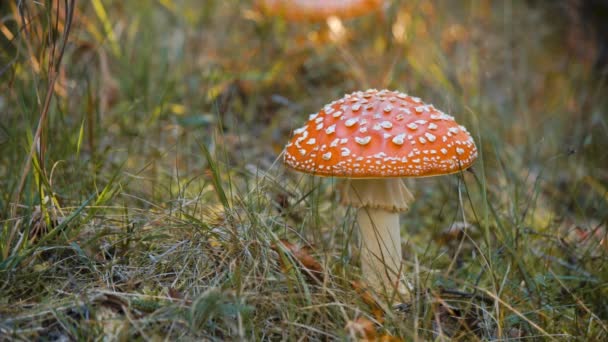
(316, 10)
(377, 134)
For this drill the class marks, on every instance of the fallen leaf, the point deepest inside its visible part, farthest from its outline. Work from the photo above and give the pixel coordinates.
(361, 328)
(311, 268)
(369, 298)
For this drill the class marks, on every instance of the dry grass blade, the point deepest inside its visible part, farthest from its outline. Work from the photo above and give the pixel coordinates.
(54, 70)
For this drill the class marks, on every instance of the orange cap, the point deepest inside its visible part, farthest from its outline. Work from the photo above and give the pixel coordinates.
(317, 10)
(376, 134)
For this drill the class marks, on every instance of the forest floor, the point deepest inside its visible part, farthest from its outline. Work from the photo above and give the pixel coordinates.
(157, 205)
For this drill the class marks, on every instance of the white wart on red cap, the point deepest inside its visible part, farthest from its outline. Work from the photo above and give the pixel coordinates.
(380, 133)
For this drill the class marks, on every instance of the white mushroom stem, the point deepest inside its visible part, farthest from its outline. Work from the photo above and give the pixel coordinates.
(379, 202)
(380, 248)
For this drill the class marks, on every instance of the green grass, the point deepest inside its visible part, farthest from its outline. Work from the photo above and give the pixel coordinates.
(157, 206)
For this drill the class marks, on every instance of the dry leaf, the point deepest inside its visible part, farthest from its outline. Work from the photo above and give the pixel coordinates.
(364, 329)
(361, 328)
(311, 268)
(368, 298)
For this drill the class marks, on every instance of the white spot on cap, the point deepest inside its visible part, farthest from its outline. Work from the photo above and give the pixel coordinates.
(459, 150)
(326, 156)
(345, 152)
(334, 143)
(330, 129)
(412, 126)
(454, 130)
(430, 136)
(386, 124)
(356, 107)
(364, 140)
(422, 140)
(388, 109)
(302, 151)
(312, 116)
(351, 122)
(398, 140)
(336, 114)
(444, 151)
(319, 126)
(311, 141)
(432, 126)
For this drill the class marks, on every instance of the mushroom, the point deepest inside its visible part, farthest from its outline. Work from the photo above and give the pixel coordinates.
(318, 10)
(373, 139)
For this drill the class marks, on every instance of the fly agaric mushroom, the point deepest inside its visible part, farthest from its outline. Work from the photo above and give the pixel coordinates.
(318, 10)
(375, 138)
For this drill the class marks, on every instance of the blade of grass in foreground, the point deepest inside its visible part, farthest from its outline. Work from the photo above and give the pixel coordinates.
(215, 174)
(13, 261)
